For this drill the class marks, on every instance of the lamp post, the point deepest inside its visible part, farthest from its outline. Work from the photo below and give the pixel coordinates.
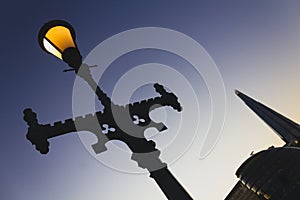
(125, 123)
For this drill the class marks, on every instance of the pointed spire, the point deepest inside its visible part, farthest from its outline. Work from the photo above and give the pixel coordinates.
(285, 128)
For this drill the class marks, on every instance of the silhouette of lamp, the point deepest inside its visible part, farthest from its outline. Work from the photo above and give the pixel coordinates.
(57, 37)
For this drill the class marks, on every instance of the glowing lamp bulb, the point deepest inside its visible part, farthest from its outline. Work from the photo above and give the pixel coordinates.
(57, 37)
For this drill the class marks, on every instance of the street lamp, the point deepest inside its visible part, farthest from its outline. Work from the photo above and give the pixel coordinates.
(125, 123)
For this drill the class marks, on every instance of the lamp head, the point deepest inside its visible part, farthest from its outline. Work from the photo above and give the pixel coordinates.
(57, 37)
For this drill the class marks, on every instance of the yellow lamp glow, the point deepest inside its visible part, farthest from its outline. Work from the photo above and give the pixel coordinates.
(57, 37)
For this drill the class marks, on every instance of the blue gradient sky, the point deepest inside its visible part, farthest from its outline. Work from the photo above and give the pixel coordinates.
(255, 44)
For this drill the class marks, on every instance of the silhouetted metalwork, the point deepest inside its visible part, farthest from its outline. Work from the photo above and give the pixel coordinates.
(272, 173)
(125, 123)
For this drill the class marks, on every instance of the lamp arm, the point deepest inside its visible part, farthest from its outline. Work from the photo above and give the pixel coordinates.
(38, 134)
(166, 99)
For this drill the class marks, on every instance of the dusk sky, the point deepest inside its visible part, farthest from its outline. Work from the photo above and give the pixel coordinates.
(254, 45)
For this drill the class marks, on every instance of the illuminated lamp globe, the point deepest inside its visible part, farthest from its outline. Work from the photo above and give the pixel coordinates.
(57, 37)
